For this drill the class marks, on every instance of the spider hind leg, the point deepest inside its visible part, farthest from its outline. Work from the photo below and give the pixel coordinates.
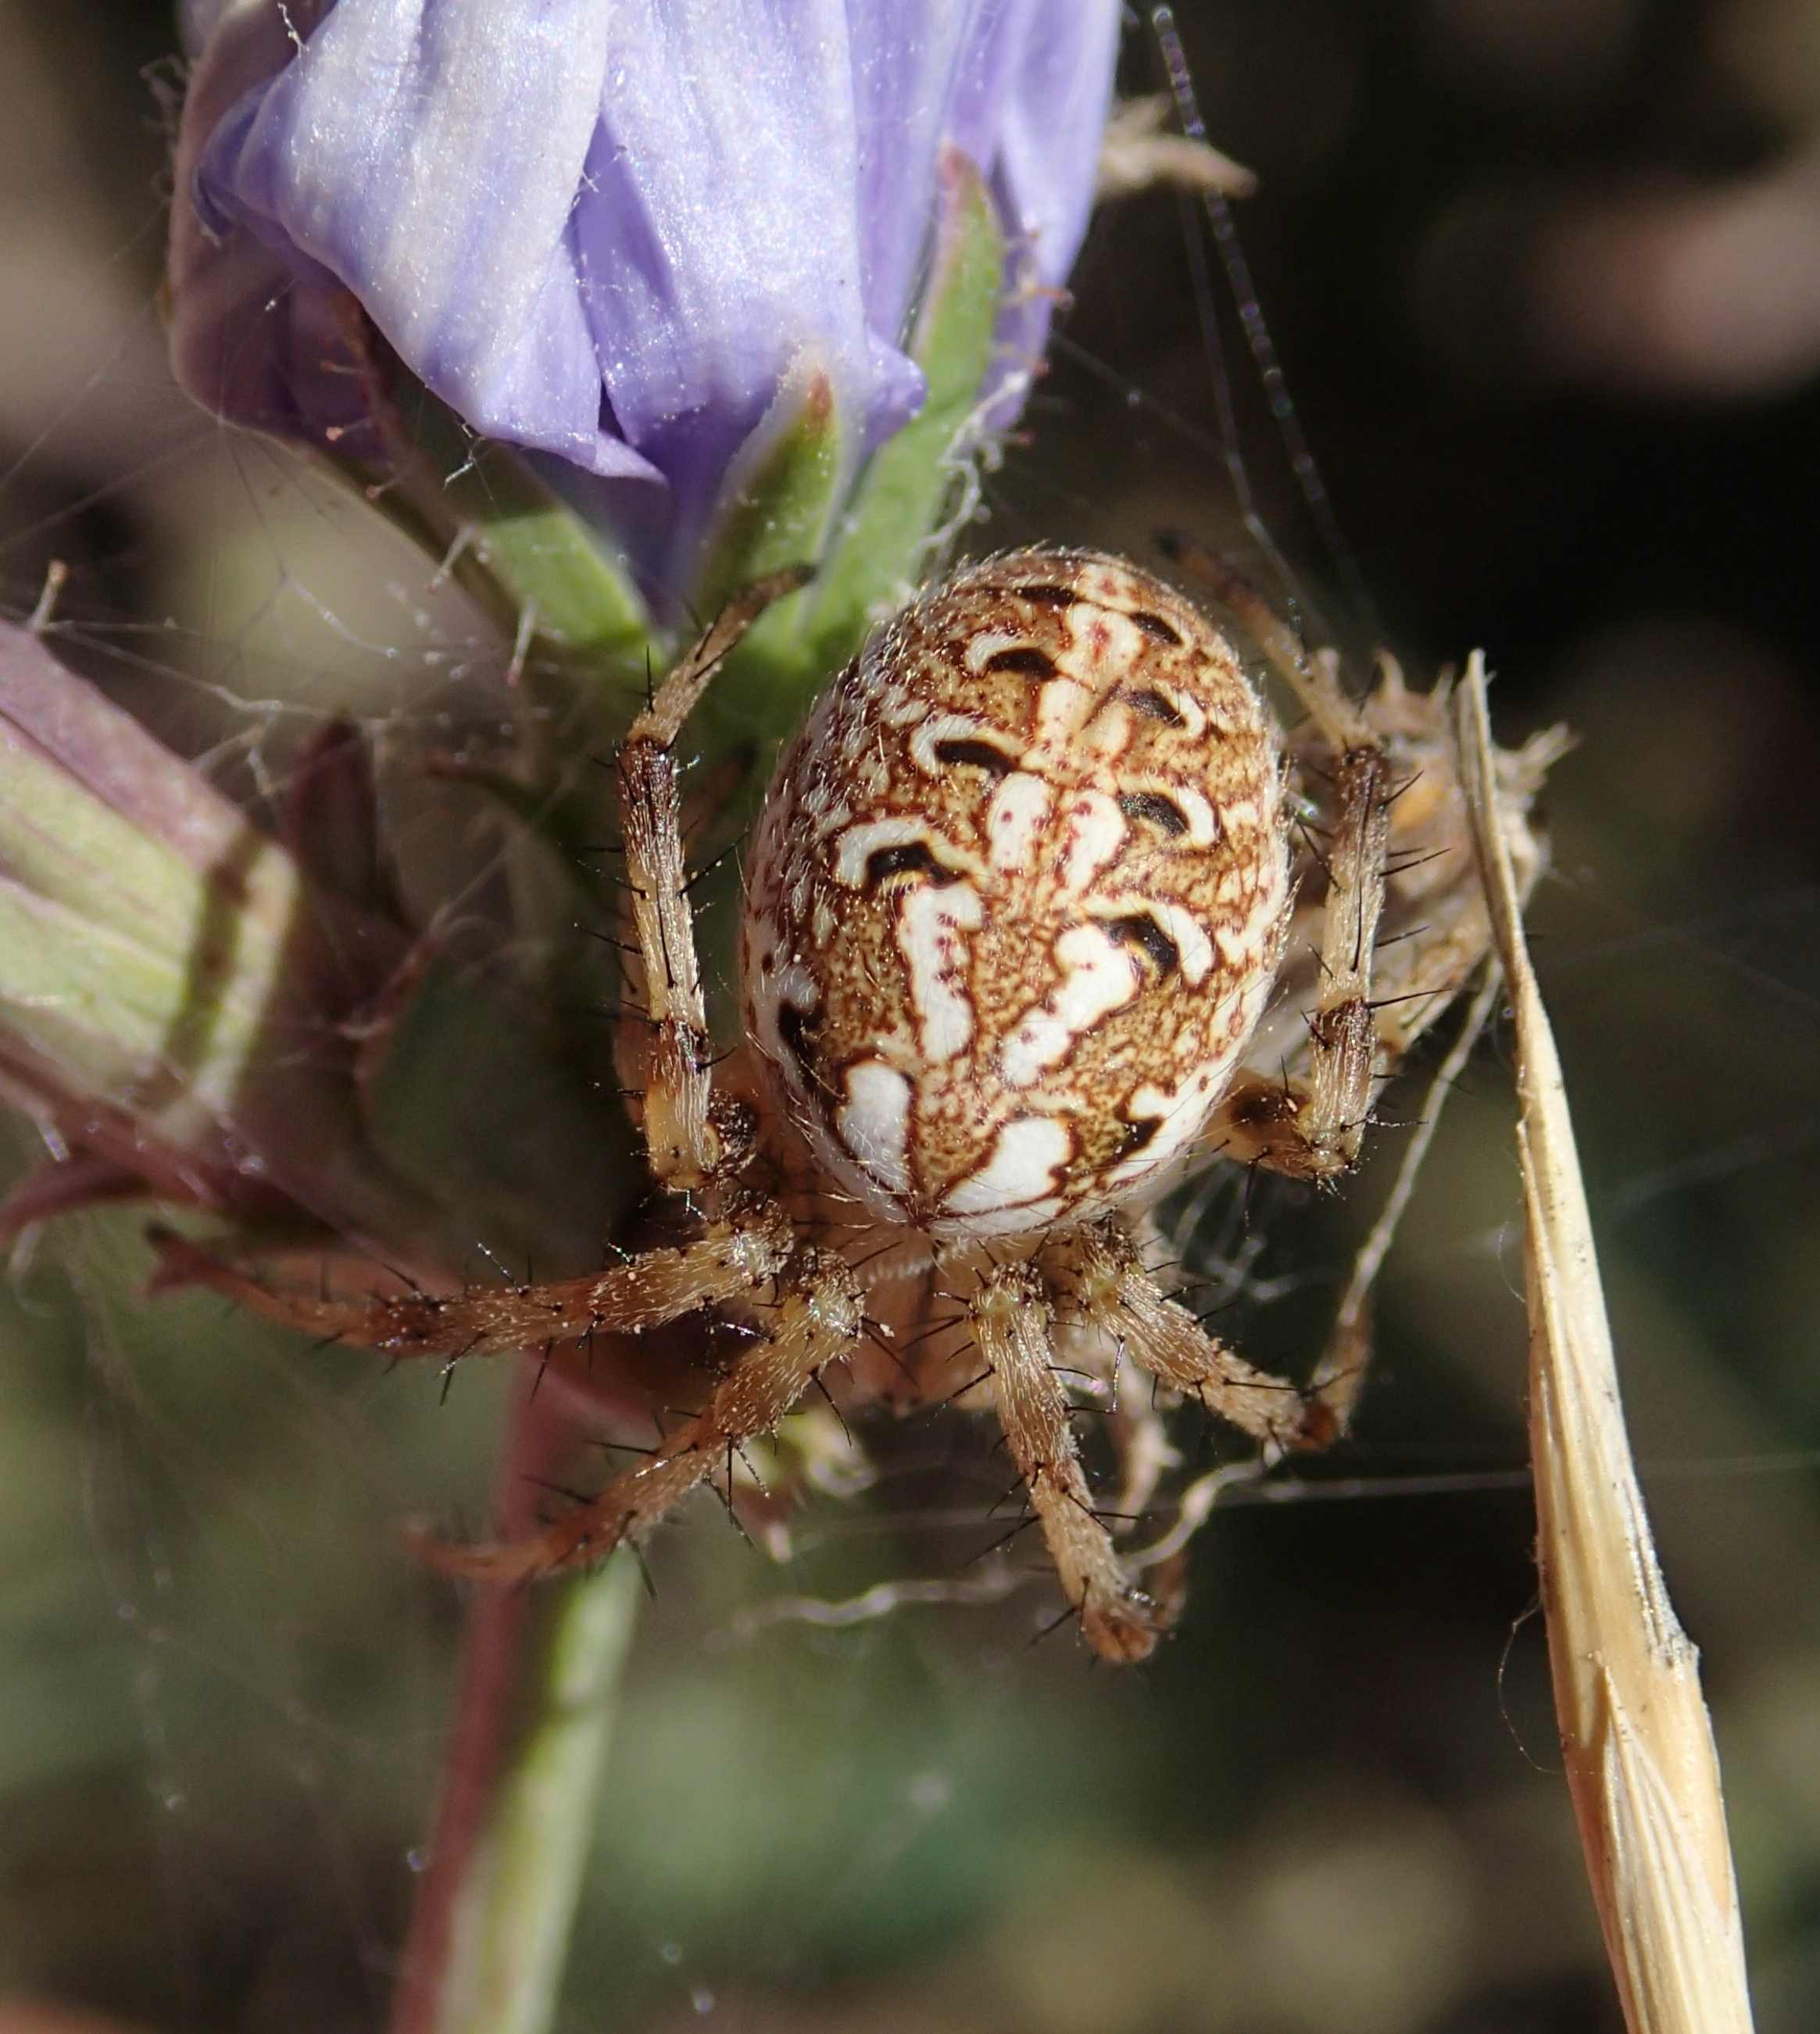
(817, 1320)
(1013, 1322)
(1099, 1271)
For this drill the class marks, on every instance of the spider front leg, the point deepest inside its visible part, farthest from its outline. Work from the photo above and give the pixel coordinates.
(1312, 1128)
(691, 1135)
(818, 1319)
(1444, 940)
(734, 1258)
(1012, 1323)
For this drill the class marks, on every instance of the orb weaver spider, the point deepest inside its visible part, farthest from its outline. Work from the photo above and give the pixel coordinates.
(1043, 912)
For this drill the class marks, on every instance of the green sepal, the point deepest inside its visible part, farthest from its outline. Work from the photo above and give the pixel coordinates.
(152, 940)
(870, 542)
(165, 965)
(481, 511)
(910, 481)
(778, 501)
(778, 507)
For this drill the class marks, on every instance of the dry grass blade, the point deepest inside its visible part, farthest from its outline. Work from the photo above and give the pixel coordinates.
(1640, 1763)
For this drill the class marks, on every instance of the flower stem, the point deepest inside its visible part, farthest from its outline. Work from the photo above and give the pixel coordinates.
(488, 1936)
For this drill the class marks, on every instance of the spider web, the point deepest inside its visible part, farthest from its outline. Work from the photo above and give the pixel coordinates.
(848, 1791)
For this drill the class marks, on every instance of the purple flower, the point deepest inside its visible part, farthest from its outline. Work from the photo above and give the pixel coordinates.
(620, 231)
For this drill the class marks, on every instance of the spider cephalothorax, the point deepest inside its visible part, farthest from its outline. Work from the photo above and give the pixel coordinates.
(1026, 936)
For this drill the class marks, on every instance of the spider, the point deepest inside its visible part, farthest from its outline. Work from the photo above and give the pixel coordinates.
(1043, 912)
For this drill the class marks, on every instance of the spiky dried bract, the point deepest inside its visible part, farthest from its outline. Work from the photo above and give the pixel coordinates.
(1641, 1764)
(1016, 899)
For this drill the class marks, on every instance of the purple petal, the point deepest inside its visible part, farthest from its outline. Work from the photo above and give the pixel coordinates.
(1053, 94)
(720, 242)
(614, 231)
(427, 156)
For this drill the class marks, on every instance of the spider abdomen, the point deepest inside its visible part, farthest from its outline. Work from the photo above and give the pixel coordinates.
(1016, 897)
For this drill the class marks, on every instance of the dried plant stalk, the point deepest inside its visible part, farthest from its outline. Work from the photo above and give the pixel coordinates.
(1640, 1763)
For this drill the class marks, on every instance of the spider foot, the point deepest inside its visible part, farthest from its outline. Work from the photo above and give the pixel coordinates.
(1122, 1625)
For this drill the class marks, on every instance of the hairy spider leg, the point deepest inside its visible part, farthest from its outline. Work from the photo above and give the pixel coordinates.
(1013, 1320)
(1099, 1270)
(690, 1136)
(1312, 1126)
(818, 1320)
(733, 1259)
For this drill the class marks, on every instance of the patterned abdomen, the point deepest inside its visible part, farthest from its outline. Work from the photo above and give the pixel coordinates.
(1016, 896)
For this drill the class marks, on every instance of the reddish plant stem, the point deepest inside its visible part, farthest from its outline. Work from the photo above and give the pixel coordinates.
(499, 1622)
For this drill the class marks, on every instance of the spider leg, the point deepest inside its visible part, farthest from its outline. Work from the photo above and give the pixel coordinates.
(1433, 932)
(1435, 899)
(1312, 1128)
(1133, 1422)
(818, 1320)
(733, 1258)
(1099, 1270)
(1340, 1372)
(1435, 905)
(690, 1136)
(1012, 1321)
(1314, 680)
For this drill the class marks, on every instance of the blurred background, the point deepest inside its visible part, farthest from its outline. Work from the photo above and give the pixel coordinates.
(1545, 281)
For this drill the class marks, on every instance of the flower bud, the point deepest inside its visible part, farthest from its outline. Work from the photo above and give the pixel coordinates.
(192, 1009)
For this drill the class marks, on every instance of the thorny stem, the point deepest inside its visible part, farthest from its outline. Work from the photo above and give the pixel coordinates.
(489, 1930)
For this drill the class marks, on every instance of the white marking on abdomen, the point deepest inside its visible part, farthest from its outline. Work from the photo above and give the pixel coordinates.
(1194, 951)
(1062, 705)
(1100, 975)
(982, 648)
(1108, 640)
(930, 918)
(939, 727)
(1239, 814)
(1027, 1154)
(860, 843)
(1096, 832)
(1186, 707)
(1180, 1115)
(1019, 806)
(873, 1122)
(1018, 1220)
(1203, 829)
(790, 986)
(903, 709)
(1239, 949)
